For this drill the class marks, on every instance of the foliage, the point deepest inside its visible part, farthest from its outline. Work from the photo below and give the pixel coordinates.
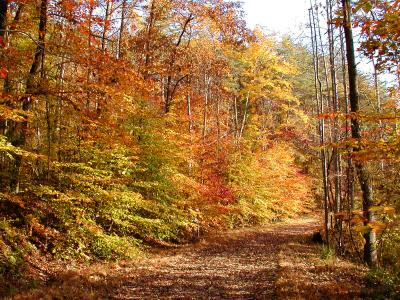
(269, 186)
(379, 24)
(385, 284)
(128, 124)
(11, 257)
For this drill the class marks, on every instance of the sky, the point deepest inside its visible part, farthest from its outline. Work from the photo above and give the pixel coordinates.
(280, 16)
(290, 16)
(284, 16)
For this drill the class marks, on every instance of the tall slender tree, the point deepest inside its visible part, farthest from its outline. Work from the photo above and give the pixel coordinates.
(321, 123)
(370, 252)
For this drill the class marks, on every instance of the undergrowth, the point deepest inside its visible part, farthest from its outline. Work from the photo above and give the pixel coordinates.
(327, 252)
(384, 284)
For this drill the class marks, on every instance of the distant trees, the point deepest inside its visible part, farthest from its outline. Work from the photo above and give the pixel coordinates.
(124, 122)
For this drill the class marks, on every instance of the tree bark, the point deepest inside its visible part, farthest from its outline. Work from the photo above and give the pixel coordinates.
(321, 125)
(350, 171)
(121, 29)
(105, 26)
(244, 117)
(3, 17)
(370, 253)
(335, 103)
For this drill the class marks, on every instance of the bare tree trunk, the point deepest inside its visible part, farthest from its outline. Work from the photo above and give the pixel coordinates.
(336, 124)
(235, 110)
(350, 172)
(320, 109)
(121, 29)
(335, 102)
(317, 29)
(189, 110)
(49, 132)
(59, 120)
(244, 119)
(325, 101)
(207, 82)
(190, 120)
(105, 26)
(379, 106)
(370, 253)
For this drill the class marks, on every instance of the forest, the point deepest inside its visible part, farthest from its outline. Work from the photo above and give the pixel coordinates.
(130, 126)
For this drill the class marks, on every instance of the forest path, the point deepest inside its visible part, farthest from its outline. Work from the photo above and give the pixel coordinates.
(274, 262)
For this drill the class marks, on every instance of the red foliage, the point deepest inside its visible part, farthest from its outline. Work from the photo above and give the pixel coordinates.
(216, 191)
(3, 72)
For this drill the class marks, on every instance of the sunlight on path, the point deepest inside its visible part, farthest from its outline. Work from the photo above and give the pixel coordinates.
(276, 262)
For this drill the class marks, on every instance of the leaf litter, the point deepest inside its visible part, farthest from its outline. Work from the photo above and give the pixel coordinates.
(272, 262)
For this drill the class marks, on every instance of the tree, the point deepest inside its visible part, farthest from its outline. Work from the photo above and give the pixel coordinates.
(3, 26)
(370, 251)
(3, 17)
(379, 25)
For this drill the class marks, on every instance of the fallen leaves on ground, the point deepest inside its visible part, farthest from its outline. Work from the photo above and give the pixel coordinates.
(273, 262)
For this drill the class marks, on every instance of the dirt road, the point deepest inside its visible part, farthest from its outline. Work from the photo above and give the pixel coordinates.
(275, 262)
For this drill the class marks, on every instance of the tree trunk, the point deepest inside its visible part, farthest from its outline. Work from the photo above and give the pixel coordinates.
(236, 118)
(335, 103)
(350, 171)
(379, 107)
(3, 18)
(207, 81)
(121, 30)
(370, 253)
(19, 133)
(105, 27)
(147, 44)
(189, 110)
(244, 117)
(321, 125)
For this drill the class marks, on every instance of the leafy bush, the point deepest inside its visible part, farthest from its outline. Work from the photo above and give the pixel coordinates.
(110, 247)
(268, 186)
(390, 248)
(11, 255)
(384, 284)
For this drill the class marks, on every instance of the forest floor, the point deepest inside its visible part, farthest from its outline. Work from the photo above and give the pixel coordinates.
(274, 262)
